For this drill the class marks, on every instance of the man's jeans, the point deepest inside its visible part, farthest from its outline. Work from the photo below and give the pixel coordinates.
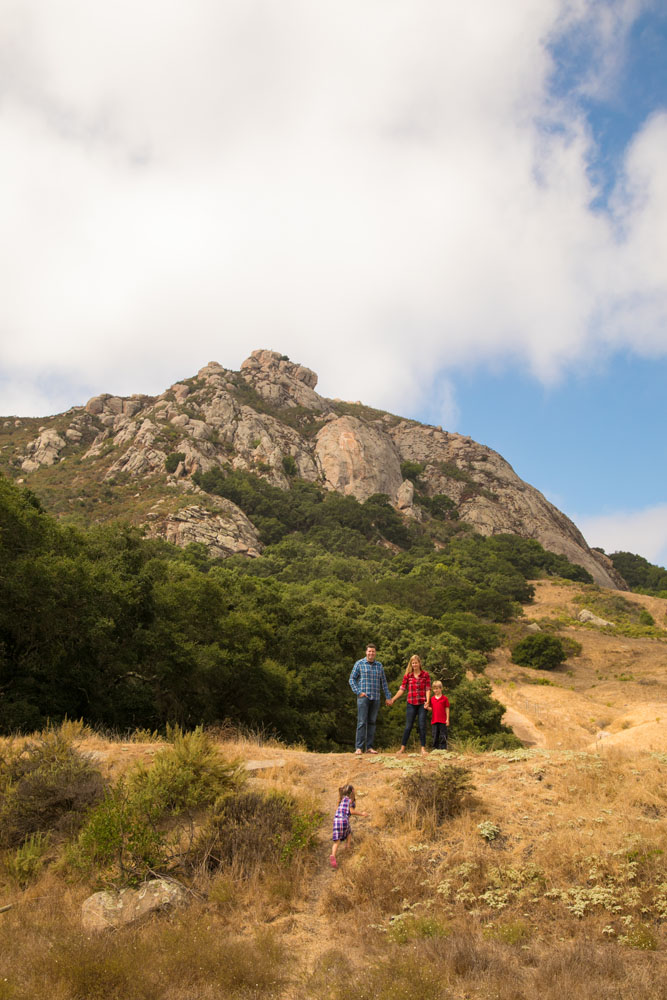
(415, 712)
(367, 713)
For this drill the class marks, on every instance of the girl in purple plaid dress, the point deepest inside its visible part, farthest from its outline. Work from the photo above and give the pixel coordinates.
(341, 822)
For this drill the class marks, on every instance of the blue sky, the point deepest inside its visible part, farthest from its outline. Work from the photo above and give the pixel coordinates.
(455, 212)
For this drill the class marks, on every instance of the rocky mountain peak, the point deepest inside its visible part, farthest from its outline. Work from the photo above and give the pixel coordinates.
(281, 382)
(138, 455)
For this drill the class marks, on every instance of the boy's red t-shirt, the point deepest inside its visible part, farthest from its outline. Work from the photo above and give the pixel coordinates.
(439, 706)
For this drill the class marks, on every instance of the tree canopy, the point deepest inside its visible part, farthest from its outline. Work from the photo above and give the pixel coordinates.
(123, 631)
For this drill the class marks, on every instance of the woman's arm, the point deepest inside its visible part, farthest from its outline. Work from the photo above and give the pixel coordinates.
(396, 696)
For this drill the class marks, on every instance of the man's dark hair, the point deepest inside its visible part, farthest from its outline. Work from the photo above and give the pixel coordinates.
(371, 645)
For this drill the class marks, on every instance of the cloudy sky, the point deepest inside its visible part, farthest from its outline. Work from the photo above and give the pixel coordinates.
(454, 211)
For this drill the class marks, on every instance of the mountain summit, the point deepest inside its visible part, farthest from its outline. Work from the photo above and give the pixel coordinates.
(136, 457)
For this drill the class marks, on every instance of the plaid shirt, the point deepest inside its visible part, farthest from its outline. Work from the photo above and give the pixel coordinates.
(416, 686)
(366, 678)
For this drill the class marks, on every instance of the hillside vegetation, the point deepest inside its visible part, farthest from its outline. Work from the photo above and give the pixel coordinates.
(490, 871)
(543, 875)
(128, 632)
(611, 690)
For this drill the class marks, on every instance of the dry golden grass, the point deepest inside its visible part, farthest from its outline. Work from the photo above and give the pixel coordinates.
(569, 895)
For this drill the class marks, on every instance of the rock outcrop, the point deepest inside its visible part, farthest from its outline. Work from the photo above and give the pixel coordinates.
(224, 533)
(358, 459)
(268, 419)
(489, 495)
(280, 382)
(588, 618)
(44, 450)
(112, 909)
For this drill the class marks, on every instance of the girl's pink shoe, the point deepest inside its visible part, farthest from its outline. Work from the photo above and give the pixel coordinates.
(333, 862)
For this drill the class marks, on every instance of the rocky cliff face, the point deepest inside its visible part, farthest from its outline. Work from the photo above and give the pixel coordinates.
(269, 420)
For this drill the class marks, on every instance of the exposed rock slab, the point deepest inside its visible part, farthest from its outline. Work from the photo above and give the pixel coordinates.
(358, 459)
(210, 422)
(117, 908)
(589, 618)
(44, 450)
(227, 533)
(490, 496)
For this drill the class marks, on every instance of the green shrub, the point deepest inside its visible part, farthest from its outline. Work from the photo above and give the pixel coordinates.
(132, 832)
(437, 795)
(488, 831)
(187, 775)
(544, 652)
(45, 785)
(24, 864)
(173, 460)
(249, 831)
(290, 467)
(122, 840)
(411, 470)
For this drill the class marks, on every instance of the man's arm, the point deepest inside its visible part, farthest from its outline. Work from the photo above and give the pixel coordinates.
(354, 678)
(385, 686)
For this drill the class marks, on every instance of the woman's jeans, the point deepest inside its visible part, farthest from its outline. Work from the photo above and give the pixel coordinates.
(415, 712)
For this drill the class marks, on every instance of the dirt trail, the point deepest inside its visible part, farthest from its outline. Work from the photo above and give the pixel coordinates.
(311, 930)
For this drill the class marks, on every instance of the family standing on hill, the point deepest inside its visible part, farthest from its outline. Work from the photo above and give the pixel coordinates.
(368, 679)
(368, 682)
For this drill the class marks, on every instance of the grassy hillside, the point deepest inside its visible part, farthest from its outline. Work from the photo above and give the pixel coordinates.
(547, 879)
(612, 693)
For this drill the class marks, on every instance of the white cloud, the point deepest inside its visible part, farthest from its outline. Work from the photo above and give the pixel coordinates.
(643, 532)
(368, 187)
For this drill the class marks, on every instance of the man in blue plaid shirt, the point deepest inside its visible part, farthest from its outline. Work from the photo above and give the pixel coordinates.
(365, 680)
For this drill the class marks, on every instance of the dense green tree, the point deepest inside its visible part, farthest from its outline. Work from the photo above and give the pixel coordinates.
(540, 650)
(639, 573)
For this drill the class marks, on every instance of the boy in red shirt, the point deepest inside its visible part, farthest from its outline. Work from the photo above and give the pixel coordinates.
(439, 705)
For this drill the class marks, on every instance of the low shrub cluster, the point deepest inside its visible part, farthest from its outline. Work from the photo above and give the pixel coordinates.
(250, 830)
(45, 785)
(438, 795)
(145, 823)
(539, 650)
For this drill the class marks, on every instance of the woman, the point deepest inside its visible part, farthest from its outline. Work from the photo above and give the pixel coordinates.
(418, 685)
